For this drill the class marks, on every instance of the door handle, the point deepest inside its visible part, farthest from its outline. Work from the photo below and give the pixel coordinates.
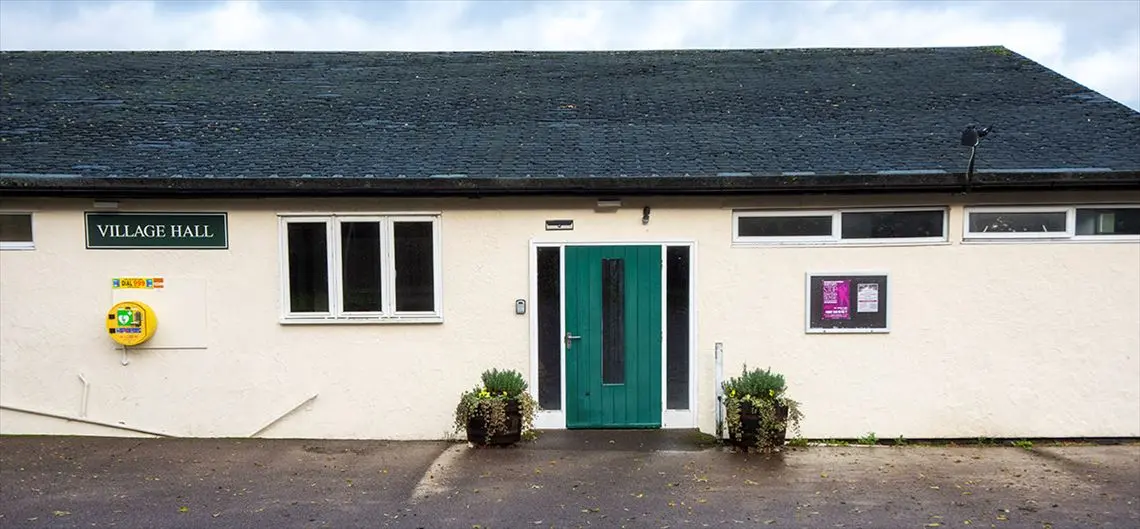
(571, 337)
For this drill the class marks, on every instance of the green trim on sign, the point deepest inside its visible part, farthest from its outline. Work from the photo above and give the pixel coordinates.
(125, 231)
(636, 402)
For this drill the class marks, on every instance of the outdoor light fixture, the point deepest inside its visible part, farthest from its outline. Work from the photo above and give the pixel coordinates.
(645, 215)
(609, 203)
(970, 138)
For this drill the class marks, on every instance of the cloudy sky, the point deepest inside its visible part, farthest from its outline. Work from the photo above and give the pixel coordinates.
(1095, 43)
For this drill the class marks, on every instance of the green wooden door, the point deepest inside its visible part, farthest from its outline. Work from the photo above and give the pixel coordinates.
(613, 324)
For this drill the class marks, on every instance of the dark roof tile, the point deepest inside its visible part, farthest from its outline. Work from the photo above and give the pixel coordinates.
(547, 114)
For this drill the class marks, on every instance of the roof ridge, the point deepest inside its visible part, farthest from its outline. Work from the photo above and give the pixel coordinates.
(512, 51)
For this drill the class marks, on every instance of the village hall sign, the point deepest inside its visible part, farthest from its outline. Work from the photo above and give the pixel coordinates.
(157, 230)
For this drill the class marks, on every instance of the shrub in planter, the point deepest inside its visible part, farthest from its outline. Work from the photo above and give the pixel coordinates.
(498, 412)
(757, 410)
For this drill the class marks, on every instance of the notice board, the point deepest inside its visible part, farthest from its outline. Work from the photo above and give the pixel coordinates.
(851, 303)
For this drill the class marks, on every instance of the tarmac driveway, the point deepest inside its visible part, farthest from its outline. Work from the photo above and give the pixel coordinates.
(576, 479)
(152, 483)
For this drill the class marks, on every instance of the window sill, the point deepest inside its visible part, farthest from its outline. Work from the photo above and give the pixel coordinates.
(330, 320)
(836, 244)
(17, 246)
(1103, 239)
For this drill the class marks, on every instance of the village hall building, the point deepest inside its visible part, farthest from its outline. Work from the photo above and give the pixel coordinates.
(927, 243)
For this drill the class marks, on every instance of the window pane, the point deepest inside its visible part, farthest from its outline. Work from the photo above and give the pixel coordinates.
(892, 224)
(549, 307)
(361, 266)
(415, 268)
(308, 267)
(785, 226)
(1020, 222)
(15, 227)
(677, 330)
(1108, 221)
(613, 321)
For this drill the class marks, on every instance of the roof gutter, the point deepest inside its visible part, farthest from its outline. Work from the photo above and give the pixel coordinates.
(12, 184)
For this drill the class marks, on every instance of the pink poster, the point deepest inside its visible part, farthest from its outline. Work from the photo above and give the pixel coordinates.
(836, 300)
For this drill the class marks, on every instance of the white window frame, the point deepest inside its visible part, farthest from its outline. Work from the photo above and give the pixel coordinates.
(20, 245)
(388, 312)
(836, 237)
(1070, 233)
(739, 239)
(1070, 222)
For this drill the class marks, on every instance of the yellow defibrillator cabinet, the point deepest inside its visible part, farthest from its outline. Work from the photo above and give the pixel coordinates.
(131, 322)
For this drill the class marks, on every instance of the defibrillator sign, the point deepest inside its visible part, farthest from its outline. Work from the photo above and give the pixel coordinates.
(137, 282)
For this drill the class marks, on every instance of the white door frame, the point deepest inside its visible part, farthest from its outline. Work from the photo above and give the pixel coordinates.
(556, 419)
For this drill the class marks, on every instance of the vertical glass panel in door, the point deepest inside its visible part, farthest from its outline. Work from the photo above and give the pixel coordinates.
(677, 328)
(613, 321)
(308, 267)
(361, 276)
(549, 316)
(415, 267)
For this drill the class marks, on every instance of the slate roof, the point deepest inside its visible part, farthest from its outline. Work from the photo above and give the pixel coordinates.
(694, 120)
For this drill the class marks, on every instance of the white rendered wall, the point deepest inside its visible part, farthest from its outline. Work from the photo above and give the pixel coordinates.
(995, 339)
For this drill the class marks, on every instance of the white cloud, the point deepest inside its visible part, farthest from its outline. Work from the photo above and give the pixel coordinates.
(1042, 35)
(1112, 71)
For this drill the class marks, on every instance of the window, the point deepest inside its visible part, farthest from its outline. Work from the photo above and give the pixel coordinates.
(1054, 222)
(16, 231)
(361, 268)
(999, 223)
(1108, 221)
(902, 225)
(921, 224)
(786, 226)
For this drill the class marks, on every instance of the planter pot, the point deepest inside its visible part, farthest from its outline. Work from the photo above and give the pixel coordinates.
(752, 433)
(477, 428)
